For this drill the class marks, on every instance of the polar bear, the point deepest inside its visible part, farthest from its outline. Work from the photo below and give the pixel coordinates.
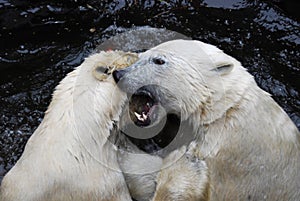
(69, 157)
(250, 145)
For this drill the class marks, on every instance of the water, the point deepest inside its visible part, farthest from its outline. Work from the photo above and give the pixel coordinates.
(42, 41)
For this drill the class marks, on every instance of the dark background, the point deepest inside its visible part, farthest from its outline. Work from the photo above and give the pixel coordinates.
(41, 41)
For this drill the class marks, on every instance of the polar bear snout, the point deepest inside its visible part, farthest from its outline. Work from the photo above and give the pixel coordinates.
(122, 76)
(118, 74)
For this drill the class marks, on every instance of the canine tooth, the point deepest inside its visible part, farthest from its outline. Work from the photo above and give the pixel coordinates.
(138, 116)
(145, 116)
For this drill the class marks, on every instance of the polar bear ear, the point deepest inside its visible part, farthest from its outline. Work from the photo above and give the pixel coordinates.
(101, 69)
(100, 72)
(223, 69)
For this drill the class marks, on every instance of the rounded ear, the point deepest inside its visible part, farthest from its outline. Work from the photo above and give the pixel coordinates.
(101, 72)
(111, 61)
(223, 69)
(221, 62)
(101, 69)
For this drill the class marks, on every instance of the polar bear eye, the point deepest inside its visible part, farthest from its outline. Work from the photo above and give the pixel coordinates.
(158, 61)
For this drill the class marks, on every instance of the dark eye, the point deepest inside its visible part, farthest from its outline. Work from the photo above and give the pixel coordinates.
(158, 61)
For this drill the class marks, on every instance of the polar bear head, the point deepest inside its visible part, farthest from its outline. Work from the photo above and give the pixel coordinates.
(182, 77)
(179, 87)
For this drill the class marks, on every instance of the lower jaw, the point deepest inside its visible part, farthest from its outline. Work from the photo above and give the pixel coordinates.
(162, 139)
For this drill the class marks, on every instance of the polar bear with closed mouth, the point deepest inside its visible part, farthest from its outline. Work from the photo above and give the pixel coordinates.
(69, 157)
(249, 143)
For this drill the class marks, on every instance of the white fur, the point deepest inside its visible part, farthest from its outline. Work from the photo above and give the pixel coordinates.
(140, 170)
(249, 143)
(184, 176)
(245, 136)
(68, 157)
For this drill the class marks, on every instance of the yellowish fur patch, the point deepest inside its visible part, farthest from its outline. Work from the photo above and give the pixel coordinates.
(120, 60)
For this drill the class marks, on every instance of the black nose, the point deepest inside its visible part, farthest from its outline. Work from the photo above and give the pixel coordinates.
(118, 74)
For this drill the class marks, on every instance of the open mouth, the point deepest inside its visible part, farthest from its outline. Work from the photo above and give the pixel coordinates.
(142, 106)
(152, 124)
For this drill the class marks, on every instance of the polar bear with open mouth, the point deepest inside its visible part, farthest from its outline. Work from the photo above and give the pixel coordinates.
(250, 145)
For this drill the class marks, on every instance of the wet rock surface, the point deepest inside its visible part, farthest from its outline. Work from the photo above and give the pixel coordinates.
(42, 41)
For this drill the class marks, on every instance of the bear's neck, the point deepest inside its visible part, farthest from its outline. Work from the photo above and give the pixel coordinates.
(243, 120)
(82, 113)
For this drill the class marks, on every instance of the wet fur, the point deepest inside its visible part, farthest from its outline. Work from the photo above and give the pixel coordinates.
(183, 176)
(68, 158)
(250, 145)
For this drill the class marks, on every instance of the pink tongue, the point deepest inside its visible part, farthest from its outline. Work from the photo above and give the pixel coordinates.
(147, 108)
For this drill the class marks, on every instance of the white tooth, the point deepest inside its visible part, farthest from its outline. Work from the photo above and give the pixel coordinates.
(145, 116)
(138, 116)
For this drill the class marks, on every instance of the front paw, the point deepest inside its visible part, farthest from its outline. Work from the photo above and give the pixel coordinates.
(186, 179)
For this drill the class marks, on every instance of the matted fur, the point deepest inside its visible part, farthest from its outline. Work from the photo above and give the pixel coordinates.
(250, 145)
(184, 176)
(68, 158)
